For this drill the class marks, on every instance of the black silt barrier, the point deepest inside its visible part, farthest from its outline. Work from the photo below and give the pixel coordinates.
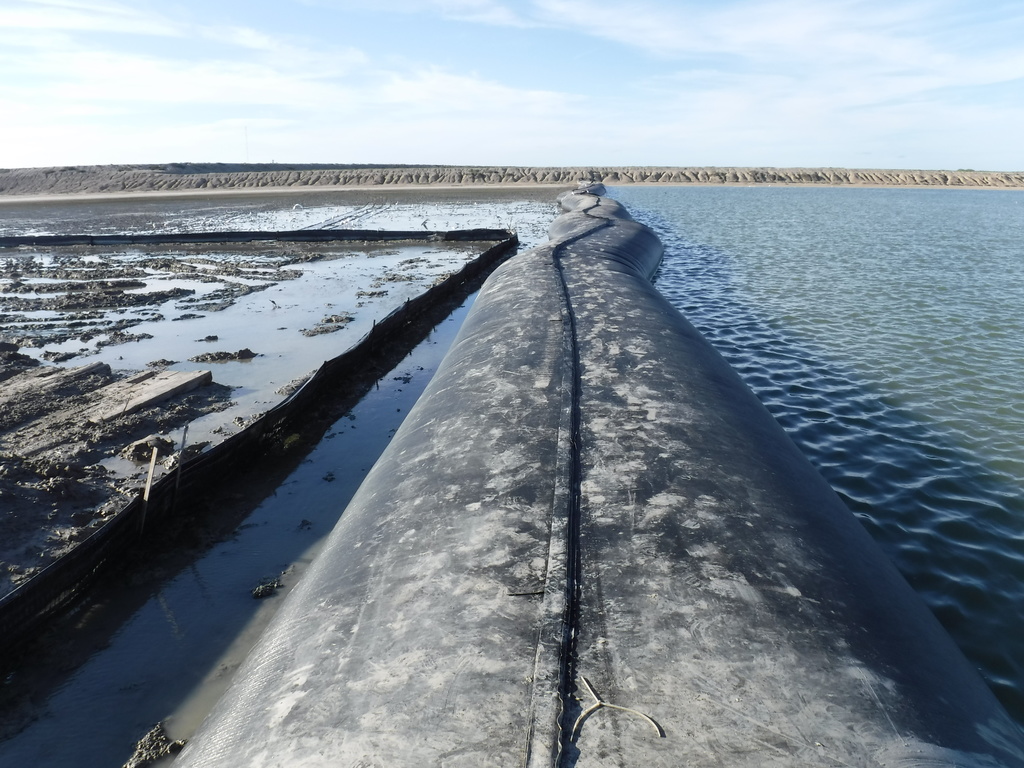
(289, 236)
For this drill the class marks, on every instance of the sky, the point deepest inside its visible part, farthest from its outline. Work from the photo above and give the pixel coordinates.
(918, 84)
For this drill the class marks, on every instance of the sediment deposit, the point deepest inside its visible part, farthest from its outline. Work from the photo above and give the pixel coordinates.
(184, 177)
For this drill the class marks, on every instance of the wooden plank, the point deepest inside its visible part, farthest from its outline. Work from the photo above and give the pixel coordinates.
(145, 389)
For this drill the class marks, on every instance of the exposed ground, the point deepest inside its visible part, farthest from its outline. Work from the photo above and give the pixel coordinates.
(182, 177)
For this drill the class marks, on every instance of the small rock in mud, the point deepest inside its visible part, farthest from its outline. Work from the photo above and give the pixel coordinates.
(142, 450)
(152, 747)
(223, 357)
(209, 338)
(161, 363)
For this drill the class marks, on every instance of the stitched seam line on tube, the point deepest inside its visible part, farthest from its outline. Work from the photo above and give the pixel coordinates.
(570, 630)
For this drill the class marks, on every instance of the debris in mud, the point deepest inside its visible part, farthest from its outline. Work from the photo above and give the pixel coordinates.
(394, 277)
(293, 386)
(329, 324)
(244, 421)
(187, 453)
(142, 450)
(268, 585)
(223, 357)
(154, 746)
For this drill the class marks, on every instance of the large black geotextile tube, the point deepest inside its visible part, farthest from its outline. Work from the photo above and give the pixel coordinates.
(289, 235)
(66, 580)
(589, 544)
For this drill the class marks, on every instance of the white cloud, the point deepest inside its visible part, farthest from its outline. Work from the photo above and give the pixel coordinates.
(490, 12)
(438, 92)
(480, 11)
(69, 97)
(736, 81)
(85, 15)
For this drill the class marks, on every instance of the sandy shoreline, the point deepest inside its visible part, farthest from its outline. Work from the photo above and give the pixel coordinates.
(414, 191)
(463, 192)
(126, 182)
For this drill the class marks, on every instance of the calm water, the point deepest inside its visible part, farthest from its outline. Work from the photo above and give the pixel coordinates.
(884, 328)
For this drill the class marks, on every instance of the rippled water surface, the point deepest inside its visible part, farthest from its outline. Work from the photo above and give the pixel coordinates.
(884, 328)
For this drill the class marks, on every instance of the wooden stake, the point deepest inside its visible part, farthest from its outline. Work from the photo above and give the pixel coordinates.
(177, 474)
(149, 484)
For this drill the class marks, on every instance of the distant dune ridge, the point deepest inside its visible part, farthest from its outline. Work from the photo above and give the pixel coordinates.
(209, 176)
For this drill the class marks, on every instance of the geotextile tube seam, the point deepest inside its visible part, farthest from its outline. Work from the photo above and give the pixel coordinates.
(590, 545)
(573, 561)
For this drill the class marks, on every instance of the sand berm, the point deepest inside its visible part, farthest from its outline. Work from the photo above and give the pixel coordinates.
(185, 177)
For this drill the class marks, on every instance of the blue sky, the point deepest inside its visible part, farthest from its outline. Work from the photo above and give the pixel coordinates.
(934, 84)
